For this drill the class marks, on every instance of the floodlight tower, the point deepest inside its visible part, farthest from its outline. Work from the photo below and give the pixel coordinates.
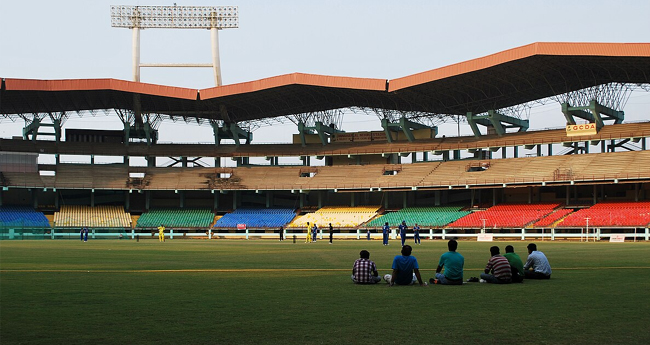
(213, 18)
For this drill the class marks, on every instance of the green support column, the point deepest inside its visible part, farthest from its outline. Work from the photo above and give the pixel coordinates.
(320, 199)
(550, 149)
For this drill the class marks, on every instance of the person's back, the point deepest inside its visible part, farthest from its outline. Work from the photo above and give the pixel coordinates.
(537, 261)
(364, 270)
(517, 266)
(453, 263)
(405, 269)
(498, 269)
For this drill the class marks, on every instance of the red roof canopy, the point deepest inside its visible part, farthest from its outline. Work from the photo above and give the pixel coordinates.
(496, 81)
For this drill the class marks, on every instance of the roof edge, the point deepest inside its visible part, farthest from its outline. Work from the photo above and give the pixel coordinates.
(538, 48)
(295, 79)
(100, 84)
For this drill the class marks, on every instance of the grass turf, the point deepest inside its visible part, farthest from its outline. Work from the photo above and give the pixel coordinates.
(239, 292)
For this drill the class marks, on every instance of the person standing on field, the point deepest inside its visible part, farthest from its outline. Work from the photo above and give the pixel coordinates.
(161, 233)
(402, 231)
(384, 232)
(416, 233)
(281, 231)
(309, 228)
(331, 233)
(86, 234)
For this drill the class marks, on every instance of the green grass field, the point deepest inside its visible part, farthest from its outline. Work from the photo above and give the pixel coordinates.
(262, 291)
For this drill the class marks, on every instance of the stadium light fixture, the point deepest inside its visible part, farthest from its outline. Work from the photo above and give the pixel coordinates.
(213, 18)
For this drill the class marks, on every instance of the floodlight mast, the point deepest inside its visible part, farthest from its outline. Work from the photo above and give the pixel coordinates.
(214, 18)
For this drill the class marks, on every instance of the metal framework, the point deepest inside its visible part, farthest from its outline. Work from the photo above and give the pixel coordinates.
(213, 18)
(323, 123)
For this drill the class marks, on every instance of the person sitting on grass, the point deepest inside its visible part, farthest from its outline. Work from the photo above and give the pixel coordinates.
(501, 273)
(364, 270)
(516, 265)
(537, 265)
(406, 270)
(453, 264)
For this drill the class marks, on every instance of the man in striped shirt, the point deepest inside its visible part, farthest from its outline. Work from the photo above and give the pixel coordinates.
(499, 268)
(364, 271)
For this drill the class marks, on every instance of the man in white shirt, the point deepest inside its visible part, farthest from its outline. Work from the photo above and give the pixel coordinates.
(537, 266)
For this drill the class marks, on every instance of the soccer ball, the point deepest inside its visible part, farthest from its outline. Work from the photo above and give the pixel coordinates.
(387, 278)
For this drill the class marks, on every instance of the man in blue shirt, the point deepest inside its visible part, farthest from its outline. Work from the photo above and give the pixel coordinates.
(416, 234)
(405, 269)
(537, 261)
(385, 231)
(453, 263)
(402, 231)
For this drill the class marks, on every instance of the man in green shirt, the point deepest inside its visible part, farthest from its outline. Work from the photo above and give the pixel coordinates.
(516, 264)
(453, 264)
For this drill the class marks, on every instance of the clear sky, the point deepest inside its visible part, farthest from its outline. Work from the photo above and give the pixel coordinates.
(362, 38)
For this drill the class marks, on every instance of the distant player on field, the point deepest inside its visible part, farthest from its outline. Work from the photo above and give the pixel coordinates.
(416, 233)
(161, 233)
(384, 233)
(402, 231)
(309, 229)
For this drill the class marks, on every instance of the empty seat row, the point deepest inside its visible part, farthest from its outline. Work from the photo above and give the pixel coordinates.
(256, 218)
(176, 217)
(22, 217)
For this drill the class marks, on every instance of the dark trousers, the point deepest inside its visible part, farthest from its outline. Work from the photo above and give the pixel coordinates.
(536, 275)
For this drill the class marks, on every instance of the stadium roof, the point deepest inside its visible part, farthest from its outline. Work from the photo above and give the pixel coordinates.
(496, 81)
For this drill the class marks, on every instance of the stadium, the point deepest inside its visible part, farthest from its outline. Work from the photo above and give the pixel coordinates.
(504, 179)
(458, 150)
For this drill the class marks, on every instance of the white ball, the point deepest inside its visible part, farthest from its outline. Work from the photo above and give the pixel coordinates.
(482, 281)
(387, 278)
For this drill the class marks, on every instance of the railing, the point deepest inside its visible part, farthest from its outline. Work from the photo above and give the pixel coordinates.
(458, 183)
(287, 150)
(587, 234)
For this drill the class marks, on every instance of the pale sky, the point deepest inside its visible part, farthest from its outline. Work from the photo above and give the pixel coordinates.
(373, 39)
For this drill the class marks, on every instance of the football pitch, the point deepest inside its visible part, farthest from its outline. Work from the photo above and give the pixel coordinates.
(269, 292)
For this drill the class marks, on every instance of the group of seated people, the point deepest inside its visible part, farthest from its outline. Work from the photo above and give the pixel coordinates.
(500, 269)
